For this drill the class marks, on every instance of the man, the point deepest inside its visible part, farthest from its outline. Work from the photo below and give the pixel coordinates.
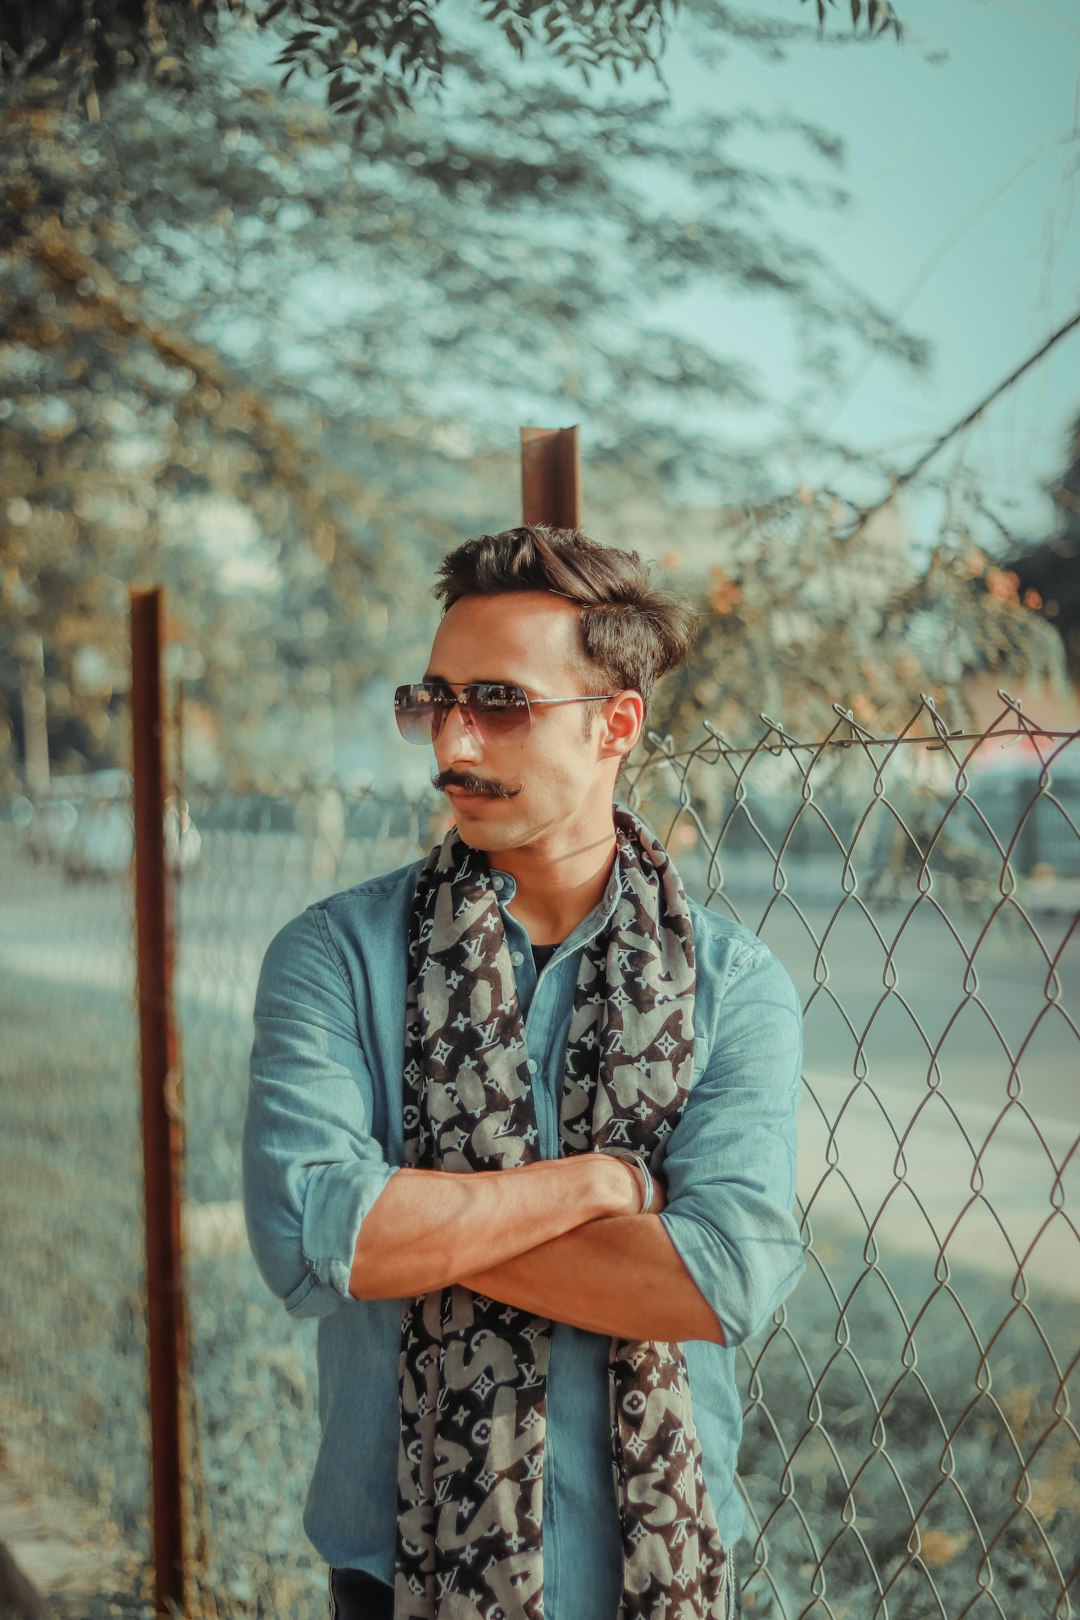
(466, 1080)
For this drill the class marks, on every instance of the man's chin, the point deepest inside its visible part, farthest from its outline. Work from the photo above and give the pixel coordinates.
(482, 830)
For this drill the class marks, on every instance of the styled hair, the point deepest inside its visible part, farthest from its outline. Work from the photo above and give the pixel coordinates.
(632, 630)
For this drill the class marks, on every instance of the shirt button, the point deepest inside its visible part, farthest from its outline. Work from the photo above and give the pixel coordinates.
(517, 958)
(531, 1065)
(496, 883)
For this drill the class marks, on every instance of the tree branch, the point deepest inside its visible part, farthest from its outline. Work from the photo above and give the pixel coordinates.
(900, 479)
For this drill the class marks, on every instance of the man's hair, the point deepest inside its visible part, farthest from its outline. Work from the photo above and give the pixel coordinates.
(632, 631)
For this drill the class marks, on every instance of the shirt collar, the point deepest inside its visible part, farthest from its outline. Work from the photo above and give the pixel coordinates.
(590, 925)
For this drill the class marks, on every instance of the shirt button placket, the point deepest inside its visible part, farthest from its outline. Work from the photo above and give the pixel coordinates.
(541, 1015)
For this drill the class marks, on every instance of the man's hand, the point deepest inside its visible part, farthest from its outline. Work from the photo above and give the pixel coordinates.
(429, 1228)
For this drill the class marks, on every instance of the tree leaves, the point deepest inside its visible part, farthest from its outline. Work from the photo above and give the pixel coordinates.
(393, 313)
(880, 15)
(377, 60)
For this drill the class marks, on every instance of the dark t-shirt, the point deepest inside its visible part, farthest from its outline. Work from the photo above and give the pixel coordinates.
(360, 1596)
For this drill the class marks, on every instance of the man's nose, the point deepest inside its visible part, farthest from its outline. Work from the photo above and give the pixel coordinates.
(457, 738)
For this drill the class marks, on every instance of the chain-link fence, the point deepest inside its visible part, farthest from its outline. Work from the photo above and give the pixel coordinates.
(73, 1415)
(909, 1448)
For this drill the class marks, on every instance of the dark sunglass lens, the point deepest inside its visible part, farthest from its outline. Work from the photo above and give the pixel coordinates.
(491, 707)
(497, 707)
(418, 710)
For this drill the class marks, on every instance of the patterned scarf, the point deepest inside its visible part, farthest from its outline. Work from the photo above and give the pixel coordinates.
(472, 1369)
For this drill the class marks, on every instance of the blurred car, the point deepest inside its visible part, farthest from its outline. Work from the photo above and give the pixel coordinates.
(47, 827)
(103, 842)
(85, 826)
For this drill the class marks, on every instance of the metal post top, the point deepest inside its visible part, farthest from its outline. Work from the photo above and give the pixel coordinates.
(551, 476)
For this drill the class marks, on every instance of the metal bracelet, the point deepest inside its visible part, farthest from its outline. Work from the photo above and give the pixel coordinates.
(632, 1156)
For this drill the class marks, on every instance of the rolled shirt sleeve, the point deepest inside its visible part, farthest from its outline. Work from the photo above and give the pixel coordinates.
(729, 1168)
(311, 1167)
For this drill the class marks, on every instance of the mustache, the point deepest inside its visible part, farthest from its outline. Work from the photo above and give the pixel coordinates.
(474, 784)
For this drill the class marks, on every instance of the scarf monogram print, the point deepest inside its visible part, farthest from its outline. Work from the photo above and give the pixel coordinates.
(472, 1369)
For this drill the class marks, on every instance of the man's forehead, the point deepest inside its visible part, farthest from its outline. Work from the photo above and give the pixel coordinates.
(506, 637)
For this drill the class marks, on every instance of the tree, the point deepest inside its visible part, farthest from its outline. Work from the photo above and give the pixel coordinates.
(375, 61)
(798, 617)
(211, 282)
(165, 378)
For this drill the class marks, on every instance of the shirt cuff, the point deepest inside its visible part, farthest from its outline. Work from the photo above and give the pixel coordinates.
(337, 1201)
(742, 1296)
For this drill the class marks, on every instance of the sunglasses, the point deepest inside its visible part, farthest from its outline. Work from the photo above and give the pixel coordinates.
(491, 709)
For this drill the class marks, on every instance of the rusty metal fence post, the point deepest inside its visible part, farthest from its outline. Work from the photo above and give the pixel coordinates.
(161, 1118)
(551, 476)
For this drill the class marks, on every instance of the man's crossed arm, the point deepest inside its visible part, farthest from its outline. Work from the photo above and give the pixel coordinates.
(557, 1238)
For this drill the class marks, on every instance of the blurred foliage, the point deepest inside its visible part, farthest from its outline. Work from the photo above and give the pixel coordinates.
(797, 617)
(211, 281)
(1046, 576)
(215, 279)
(376, 61)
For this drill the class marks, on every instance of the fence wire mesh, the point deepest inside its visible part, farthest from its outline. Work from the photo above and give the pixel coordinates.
(910, 1446)
(73, 1406)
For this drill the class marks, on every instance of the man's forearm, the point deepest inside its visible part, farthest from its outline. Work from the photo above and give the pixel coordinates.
(621, 1276)
(428, 1227)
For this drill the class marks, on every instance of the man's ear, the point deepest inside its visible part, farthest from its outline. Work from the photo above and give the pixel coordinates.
(624, 717)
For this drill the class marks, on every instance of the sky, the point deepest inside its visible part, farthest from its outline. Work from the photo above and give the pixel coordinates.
(962, 150)
(965, 222)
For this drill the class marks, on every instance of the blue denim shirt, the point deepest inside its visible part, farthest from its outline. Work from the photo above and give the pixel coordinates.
(322, 1137)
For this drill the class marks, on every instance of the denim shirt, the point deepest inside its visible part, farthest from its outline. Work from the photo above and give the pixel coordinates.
(323, 1136)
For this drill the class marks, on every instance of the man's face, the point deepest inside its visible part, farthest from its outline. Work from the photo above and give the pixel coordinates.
(559, 780)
